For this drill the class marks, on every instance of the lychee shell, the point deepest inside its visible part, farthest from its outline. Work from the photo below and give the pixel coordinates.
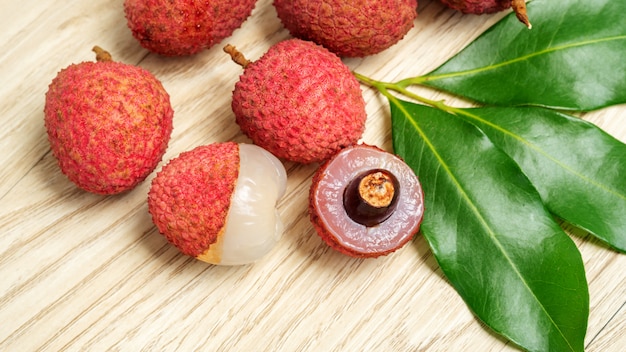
(349, 28)
(184, 27)
(478, 7)
(190, 197)
(300, 102)
(108, 124)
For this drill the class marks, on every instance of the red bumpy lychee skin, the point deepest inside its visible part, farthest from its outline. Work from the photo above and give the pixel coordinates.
(479, 7)
(349, 28)
(108, 124)
(300, 102)
(218, 202)
(190, 197)
(184, 27)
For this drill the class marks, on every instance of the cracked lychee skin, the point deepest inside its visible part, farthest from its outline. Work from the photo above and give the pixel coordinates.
(108, 124)
(190, 197)
(184, 27)
(300, 102)
(349, 28)
(478, 7)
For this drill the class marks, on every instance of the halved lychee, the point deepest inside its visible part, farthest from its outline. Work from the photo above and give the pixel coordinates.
(365, 202)
(217, 202)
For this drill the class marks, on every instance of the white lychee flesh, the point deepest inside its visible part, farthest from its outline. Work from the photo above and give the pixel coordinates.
(253, 224)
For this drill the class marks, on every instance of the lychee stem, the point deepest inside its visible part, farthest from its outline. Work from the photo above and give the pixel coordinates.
(236, 55)
(101, 54)
(519, 6)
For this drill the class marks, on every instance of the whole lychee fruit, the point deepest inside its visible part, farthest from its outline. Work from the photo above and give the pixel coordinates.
(217, 202)
(299, 101)
(479, 7)
(365, 202)
(349, 28)
(184, 27)
(108, 123)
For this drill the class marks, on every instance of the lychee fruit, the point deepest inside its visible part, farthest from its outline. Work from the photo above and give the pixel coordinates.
(299, 101)
(349, 28)
(108, 123)
(479, 7)
(184, 27)
(217, 202)
(365, 202)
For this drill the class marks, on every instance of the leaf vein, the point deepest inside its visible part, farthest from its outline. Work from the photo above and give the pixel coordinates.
(545, 51)
(477, 212)
(546, 155)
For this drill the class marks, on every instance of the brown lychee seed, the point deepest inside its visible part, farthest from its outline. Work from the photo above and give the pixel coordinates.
(217, 202)
(479, 7)
(349, 28)
(299, 101)
(108, 123)
(371, 197)
(365, 202)
(183, 27)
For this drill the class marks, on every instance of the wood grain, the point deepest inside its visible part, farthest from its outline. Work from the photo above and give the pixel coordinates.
(86, 272)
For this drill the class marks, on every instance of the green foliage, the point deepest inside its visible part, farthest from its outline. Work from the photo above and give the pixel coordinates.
(573, 58)
(492, 236)
(577, 168)
(494, 177)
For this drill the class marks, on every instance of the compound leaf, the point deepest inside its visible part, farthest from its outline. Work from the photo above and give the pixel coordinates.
(516, 269)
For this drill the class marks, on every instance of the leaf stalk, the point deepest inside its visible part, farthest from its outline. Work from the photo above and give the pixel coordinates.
(401, 88)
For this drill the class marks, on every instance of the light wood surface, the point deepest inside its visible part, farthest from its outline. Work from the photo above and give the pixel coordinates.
(85, 272)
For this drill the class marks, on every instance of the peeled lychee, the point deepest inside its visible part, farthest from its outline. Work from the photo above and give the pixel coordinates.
(349, 28)
(479, 7)
(217, 202)
(365, 202)
(299, 101)
(184, 27)
(108, 123)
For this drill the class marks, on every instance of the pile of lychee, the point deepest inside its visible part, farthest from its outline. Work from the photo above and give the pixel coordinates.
(109, 125)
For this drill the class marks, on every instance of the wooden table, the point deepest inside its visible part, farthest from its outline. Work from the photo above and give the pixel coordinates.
(86, 272)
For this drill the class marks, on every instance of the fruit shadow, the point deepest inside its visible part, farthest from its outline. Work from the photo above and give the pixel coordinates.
(321, 257)
(300, 236)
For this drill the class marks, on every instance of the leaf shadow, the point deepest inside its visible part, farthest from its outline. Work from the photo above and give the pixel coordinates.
(428, 258)
(584, 236)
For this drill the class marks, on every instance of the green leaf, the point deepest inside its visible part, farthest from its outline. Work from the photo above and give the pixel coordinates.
(578, 169)
(574, 57)
(516, 269)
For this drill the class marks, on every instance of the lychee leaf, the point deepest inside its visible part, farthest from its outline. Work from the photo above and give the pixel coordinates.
(577, 168)
(573, 58)
(514, 266)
